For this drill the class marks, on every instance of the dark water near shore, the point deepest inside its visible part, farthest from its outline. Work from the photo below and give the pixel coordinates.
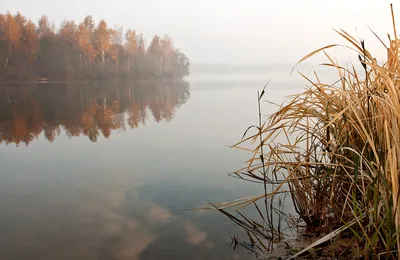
(107, 171)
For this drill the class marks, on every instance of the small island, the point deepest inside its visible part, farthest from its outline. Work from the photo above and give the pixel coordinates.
(83, 51)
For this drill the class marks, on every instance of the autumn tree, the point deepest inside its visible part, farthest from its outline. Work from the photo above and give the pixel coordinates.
(43, 26)
(45, 62)
(102, 37)
(141, 56)
(29, 40)
(155, 53)
(85, 36)
(29, 48)
(131, 48)
(68, 50)
(83, 51)
(116, 46)
(3, 44)
(181, 66)
(12, 32)
(167, 49)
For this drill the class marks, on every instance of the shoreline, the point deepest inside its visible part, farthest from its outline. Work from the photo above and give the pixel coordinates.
(88, 81)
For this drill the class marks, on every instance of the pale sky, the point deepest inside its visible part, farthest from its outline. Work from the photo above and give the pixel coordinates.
(231, 31)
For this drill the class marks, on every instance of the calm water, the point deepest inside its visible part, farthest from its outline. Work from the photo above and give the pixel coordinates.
(106, 171)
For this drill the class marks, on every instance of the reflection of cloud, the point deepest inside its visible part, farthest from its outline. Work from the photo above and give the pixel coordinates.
(159, 214)
(209, 244)
(137, 242)
(88, 224)
(194, 236)
(236, 257)
(129, 238)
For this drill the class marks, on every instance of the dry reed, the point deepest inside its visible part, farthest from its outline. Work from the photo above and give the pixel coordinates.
(340, 159)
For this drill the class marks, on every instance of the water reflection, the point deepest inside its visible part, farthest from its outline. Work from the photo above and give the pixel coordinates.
(28, 110)
(109, 222)
(122, 198)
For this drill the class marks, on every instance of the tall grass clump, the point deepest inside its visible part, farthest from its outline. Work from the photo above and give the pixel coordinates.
(340, 158)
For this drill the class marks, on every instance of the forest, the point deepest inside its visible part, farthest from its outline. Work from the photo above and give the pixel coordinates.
(83, 51)
(85, 109)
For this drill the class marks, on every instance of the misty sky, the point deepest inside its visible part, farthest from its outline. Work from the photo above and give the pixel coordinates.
(230, 31)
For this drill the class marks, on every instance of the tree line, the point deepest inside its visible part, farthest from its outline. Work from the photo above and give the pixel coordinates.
(91, 110)
(83, 51)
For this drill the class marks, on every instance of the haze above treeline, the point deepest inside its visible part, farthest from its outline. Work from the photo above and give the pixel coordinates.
(83, 50)
(233, 31)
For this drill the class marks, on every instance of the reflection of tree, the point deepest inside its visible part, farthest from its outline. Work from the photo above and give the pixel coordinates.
(28, 111)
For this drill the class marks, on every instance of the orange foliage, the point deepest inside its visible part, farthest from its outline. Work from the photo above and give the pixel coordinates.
(82, 51)
(92, 111)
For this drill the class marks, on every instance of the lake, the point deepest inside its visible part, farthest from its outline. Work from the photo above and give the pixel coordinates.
(111, 170)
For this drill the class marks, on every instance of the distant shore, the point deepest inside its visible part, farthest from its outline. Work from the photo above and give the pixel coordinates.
(88, 81)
